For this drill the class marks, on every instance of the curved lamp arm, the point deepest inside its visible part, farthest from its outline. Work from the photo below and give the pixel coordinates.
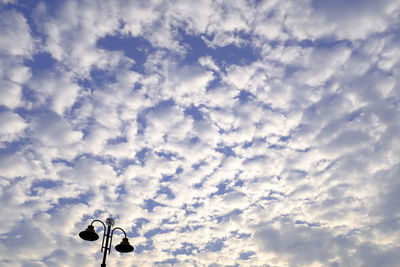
(104, 226)
(116, 228)
(104, 233)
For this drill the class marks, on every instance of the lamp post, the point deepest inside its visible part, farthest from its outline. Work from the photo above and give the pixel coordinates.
(90, 235)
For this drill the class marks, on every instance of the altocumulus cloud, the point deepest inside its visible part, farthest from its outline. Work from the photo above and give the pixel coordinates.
(217, 133)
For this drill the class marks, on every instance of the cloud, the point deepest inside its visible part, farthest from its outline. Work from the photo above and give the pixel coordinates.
(17, 40)
(53, 130)
(10, 94)
(361, 26)
(77, 48)
(56, 89)
(260, 133)
(15, 126)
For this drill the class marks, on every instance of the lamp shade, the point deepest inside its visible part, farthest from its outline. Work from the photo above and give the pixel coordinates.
(124, 246)
(89, 234)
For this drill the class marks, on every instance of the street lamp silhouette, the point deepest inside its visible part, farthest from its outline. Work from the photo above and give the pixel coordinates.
(90, 235)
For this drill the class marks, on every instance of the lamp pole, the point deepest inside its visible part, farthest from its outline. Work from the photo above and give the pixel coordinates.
(103, 264)
(90, 235)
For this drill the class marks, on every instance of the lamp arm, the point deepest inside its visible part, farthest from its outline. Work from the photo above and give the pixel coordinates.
(118, 229)
(104, 233)
(109, 249)
(99, 222)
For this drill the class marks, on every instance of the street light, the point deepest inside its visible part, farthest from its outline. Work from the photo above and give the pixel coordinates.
(90, 235)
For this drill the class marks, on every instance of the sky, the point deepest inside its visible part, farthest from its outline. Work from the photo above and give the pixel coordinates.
(215, 133)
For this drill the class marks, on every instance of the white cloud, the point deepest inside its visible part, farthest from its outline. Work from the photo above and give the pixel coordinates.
(291, 159)
(13, 126)
(77, 48)
(14, 70)
(54, 131)
(57, 89)
(16, 38)
(10, 94)
(372, 17)
(321, 64)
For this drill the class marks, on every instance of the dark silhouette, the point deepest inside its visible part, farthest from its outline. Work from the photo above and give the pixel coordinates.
(90, 235)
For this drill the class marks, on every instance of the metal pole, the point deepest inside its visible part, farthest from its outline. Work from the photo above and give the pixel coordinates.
(106, 246)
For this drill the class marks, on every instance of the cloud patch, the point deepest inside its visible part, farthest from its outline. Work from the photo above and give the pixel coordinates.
(246, 133)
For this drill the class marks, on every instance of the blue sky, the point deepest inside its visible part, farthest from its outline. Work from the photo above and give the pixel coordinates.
(216, 133)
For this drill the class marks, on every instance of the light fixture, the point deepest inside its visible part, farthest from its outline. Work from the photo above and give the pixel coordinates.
(90, 235)
(124, 246)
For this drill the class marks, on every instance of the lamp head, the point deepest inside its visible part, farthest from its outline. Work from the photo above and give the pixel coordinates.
(110, 222)
(124, 246)
(89, 234)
